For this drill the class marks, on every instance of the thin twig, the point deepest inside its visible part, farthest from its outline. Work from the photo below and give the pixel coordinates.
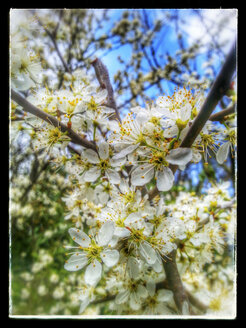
(221, 115)
(104, 81)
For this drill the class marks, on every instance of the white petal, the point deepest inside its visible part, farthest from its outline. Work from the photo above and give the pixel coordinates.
(103, 150)
(171, 132)
(141, 118)
(113, 176)
(222, 153)
(179, 156)
(110, 257)
(185, 308)
(151, 288)
(84, 305)
(80, 237)
(196, 156)
(121, 232)
(147, 252)
(165, 179)
(92, 174)
(142, 175)
(165, 295)
(118, 162)
(101, 95)
(157, 266)
(134, 301)
(91, 156)
(105, 234)
(142, 291)
(76, 262)
(133, 267)
(185, 112)
(122, 297)
(93, 273)
(125, 151)
(133, 219)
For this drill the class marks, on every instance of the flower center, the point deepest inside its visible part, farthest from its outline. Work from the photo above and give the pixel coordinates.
(104, 164)
(158, 159)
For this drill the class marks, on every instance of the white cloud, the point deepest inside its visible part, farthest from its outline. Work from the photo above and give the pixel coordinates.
(221, 23)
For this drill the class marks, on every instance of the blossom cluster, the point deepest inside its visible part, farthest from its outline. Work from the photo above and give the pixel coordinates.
(121, 236)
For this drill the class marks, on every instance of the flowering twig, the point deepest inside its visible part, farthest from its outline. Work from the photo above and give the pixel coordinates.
(28, 107)
(160, 285)
(52, 37)
(219, 88)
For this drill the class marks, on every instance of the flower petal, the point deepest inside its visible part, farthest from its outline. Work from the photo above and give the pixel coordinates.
(80, 237)
(122, 297)
(84, 305)
(125, 151)
(110, 257)
(113, 176)
(142, 291)
(134, 301)
(92, 174)
(151, 287)
(91, 156)
(147, 252)
(93, 273)
(179, 156)
(105, 234)
(103, 149)
(76, 262)
(117, 162)
(165, 179)
(133, 267)
(164, 295)
(121, 232)
(222, 153)
(185, 112)
(142, 175)
(171, 132)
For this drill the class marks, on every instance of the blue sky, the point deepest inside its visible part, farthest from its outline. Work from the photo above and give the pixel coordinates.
(192, 30)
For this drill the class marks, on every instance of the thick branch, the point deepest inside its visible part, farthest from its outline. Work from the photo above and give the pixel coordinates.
(28, 107)
(219, 88)
(104, 81)
(174, 281)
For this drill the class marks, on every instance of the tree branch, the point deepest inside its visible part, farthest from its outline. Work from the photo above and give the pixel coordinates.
(30, 108)
(219, 88)
(174, 281)
(104, 81)
(52, 38)
(160, 285)
(221, 115)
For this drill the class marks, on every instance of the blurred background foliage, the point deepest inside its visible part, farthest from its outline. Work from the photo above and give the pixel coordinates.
(147, 53)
